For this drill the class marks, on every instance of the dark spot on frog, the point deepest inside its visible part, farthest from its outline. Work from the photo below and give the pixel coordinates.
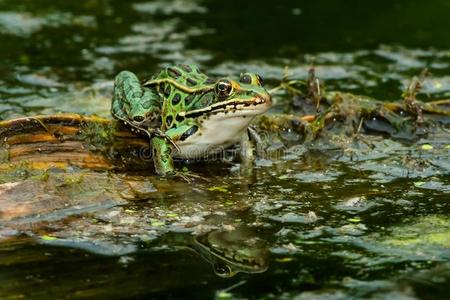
(186, 68)
(176, 99)
(169, 120)
(189, 99)
(210, 81)
(206, 99)
(167, 90)
(188, 133)
(179, 118)
(174, 73)
(161, 88)
(191, 82)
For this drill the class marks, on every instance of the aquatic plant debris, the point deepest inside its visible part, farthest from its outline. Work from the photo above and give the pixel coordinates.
(223, 189)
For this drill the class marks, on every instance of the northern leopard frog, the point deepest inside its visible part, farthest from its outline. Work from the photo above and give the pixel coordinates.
(187, 114)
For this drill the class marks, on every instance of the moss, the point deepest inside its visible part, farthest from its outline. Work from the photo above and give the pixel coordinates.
(72, 179)
(16, 171)
(428, 230)
(98, 136)
(4, 154)
(43, 176)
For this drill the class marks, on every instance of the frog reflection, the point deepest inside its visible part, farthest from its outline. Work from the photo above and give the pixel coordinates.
(228, 251)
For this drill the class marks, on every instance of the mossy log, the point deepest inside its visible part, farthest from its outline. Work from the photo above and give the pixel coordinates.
(65, 140)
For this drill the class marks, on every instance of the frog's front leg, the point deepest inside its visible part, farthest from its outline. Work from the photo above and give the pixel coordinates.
(162, 156)
(131, 102)
(248, 149)
(164, 146)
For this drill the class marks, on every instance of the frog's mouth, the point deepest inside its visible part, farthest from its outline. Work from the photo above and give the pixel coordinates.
(235, 107)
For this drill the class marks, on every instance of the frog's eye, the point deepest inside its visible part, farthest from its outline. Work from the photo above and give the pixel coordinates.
(223, 88)
(222, 270)
(245, 78)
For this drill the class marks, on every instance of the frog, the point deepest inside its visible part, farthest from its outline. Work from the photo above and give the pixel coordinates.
(188, 115)
(232, 251)
(229, 251)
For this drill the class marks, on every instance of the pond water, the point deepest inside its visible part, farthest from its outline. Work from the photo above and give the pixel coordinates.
(364, 219)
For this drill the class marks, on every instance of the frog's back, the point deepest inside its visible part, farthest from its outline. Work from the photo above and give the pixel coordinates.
(186, 77)
(181, 88)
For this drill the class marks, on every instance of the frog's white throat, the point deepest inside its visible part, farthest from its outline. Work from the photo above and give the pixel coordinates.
(216, 133)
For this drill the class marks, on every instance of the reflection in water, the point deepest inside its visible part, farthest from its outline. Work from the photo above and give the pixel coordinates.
(232, 251)
(228, 251)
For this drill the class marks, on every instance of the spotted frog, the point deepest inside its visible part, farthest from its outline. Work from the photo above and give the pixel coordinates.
(188, 115)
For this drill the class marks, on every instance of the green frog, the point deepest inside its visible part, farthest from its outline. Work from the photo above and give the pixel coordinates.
(188, 115)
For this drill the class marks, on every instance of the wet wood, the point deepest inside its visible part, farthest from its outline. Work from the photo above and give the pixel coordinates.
(59, 193)
(72, 146)
(71, 140)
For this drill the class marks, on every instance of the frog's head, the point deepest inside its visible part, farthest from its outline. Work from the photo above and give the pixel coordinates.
(231, 252)
(231, 98)
(219, 116)
(245, 97)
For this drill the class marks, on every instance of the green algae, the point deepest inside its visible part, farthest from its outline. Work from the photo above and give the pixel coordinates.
(97, 136)
(432, 230)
